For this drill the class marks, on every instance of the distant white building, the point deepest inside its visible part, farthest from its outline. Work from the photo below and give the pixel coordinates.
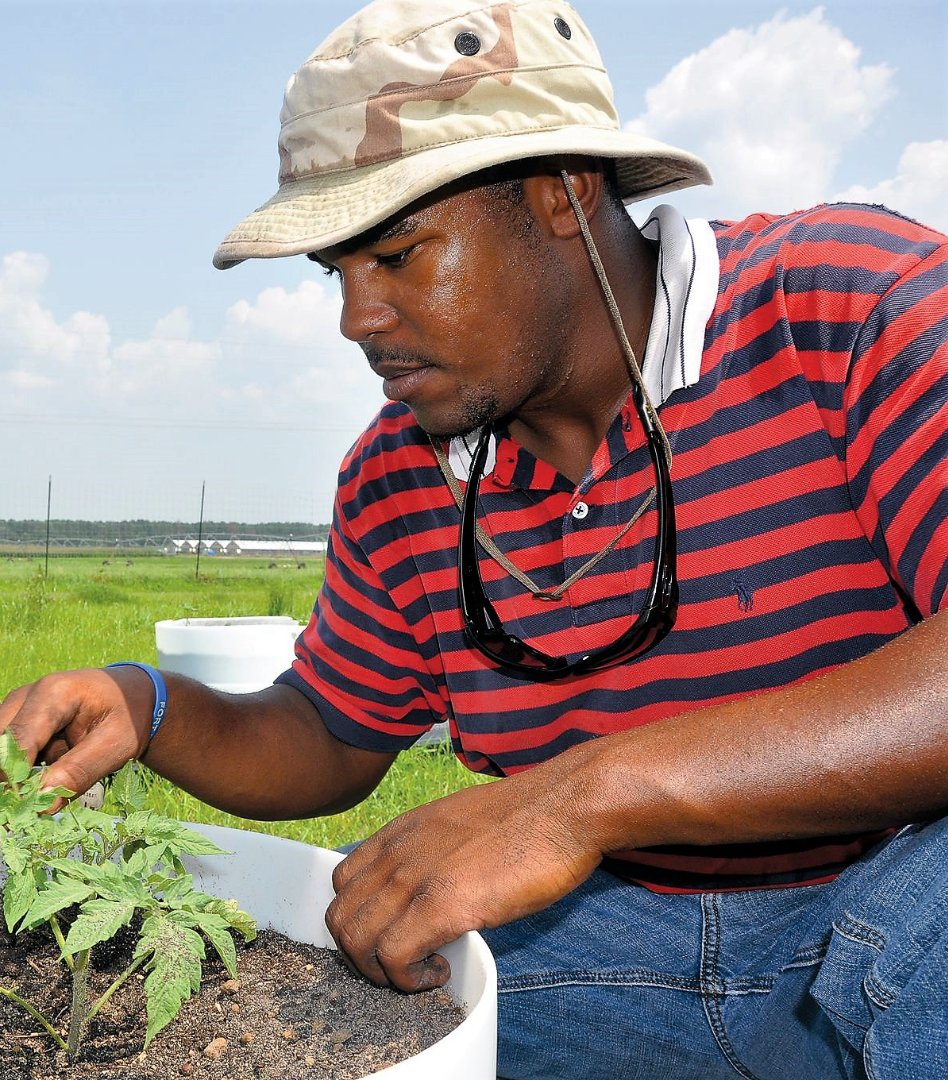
(179, 547)
(261, 549)
(287, 549)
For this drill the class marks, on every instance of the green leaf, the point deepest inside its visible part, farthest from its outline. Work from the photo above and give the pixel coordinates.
(19, 895)
(89, 820)
(127, 790)
(189, 842)
(57, 896)
(217, 933)
(15, 854)
(78, 870)
(105, 879)
(176, 891)
(56, 836)
(139, 824)
(98, 920)
(175, 953)
(52, 831)
(14, 764)
(139, 860)
(235, 918)
(178, 838)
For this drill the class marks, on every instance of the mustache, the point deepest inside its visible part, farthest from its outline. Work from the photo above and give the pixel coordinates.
(393, 357)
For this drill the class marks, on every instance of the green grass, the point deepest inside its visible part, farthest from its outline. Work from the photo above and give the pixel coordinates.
(91, 610)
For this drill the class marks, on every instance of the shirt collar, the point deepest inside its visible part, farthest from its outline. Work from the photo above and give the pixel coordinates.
(686, 290)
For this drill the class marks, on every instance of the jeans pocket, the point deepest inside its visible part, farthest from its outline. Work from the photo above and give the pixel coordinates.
(854, 949)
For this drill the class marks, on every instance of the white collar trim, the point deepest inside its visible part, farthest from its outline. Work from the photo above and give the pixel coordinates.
(686, 289)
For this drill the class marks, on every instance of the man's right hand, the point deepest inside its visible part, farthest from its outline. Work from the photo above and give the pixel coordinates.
(264, 755)
(84, 724)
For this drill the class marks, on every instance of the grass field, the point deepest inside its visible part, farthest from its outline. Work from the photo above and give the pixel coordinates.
(92, 609)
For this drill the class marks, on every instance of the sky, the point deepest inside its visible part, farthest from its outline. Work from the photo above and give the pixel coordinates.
(135, 134)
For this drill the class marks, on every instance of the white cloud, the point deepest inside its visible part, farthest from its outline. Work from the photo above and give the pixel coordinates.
(293, 359)
(167, 361)
(301, 317)
(175, 326)
(30, 335)
(280, 359)
(919, 187)
(24, 272)
(27, 380)
(270, 404)
(771, 108)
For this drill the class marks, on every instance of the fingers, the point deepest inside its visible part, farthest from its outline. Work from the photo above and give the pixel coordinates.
(35, 714)
(389, 919)
(96, 756)
(77, 722)
(391, 944)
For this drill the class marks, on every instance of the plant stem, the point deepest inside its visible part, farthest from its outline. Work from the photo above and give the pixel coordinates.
(12, 995)
(61, 942)
(80, 999)
(129, 971)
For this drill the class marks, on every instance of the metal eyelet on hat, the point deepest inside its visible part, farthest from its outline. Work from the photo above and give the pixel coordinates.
(467, 44)
(562, 28)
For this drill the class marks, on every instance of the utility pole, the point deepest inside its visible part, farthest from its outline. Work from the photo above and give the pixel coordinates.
(197, 562)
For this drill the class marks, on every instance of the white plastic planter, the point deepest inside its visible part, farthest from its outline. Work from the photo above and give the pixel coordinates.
(288, 886)
(240, 654)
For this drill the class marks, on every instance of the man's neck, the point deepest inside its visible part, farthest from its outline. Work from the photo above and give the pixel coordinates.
(566, 427)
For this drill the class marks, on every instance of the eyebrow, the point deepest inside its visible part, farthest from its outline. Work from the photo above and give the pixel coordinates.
(396, 231)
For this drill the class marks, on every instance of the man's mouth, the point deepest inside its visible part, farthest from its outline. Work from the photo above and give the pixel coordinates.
(402, 383)
(401, 375)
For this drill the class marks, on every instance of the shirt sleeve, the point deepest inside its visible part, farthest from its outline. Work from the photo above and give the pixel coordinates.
(358, 660)
(897, 431)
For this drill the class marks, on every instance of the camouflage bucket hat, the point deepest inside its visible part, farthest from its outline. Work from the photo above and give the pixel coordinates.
(408, 95)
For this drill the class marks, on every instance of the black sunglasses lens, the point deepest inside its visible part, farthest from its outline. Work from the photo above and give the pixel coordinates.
(507, 649)
(485, 632)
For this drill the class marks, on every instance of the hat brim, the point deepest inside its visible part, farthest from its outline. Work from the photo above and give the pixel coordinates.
(316, 212)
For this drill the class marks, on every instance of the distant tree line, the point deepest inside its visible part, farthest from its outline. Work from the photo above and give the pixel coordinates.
(140, 529)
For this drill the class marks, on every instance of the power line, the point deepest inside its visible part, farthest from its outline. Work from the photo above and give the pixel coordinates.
(33, 419)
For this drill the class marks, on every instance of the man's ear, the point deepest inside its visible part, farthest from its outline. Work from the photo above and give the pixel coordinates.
(547, 196)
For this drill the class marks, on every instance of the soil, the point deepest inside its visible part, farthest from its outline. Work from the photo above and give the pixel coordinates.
(295, 1012)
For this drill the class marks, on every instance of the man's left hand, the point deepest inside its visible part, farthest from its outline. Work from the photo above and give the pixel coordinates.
(478, 858)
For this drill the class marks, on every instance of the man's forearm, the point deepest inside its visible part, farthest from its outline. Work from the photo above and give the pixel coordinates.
(862, 747)
(264, 755)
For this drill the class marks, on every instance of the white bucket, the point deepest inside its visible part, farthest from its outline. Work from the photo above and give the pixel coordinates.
(288, 886)
(240, 654)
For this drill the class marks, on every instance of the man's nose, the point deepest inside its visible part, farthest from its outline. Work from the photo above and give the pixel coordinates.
(365, 311)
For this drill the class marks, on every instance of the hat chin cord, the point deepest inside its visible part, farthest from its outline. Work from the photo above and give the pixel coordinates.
(631, 363)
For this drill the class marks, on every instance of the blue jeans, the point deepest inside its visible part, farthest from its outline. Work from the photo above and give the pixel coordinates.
(846, 980)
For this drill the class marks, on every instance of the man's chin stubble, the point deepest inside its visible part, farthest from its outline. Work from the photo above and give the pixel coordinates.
(477, 410)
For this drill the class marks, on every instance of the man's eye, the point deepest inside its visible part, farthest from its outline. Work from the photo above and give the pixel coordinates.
(394, 258)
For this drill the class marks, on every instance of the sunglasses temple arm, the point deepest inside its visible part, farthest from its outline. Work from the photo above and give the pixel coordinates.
(468, 562)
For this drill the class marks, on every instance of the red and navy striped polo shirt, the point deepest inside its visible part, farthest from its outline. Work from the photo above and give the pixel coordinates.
(810, 486)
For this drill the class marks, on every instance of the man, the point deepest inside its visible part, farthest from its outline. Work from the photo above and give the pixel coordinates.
(707, 662)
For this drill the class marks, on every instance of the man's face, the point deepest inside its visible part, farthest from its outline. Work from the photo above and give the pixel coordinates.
(459, 304)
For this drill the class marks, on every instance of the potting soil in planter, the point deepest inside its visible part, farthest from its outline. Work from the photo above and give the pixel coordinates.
(294, 1012)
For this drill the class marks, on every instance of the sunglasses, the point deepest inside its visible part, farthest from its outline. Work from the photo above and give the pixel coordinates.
(484, 630)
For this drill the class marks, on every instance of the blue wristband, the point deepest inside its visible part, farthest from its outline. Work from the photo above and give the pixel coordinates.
(161, 692)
